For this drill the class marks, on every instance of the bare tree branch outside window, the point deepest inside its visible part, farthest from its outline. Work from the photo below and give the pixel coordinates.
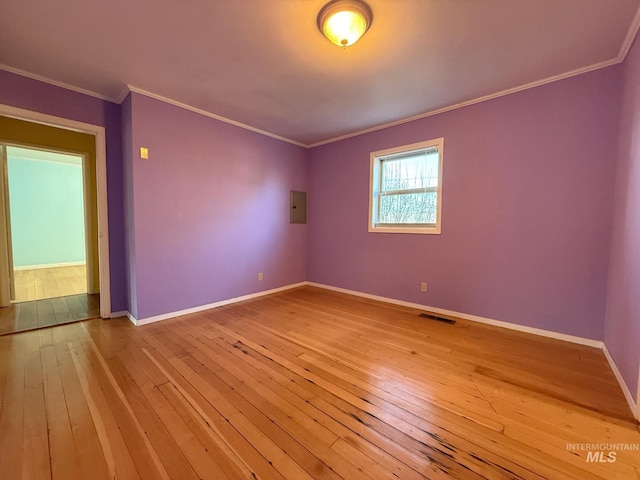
(408, 191)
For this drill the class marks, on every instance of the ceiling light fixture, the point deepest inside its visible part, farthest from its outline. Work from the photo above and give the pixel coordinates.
(343, 22)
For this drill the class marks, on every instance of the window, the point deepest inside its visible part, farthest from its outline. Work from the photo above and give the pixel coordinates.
(406, 188)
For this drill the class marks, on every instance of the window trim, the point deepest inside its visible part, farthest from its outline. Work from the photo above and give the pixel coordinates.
(374, 189)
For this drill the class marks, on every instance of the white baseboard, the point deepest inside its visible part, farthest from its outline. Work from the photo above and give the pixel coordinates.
(474, 318)
(623, 385)
(48, 265)
(635, 408)
(132, 319)
(166, 316)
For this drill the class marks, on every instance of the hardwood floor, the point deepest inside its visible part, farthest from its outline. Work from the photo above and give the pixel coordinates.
(40, 283)
(306, 384)
(24, 316)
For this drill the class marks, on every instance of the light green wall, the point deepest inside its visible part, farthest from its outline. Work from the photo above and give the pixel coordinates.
(47, 211)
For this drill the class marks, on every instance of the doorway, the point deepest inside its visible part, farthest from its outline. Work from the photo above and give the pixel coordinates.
(48, 223)
(79, 149)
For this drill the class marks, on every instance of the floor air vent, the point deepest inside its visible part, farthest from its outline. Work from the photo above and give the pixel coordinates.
(435, 317)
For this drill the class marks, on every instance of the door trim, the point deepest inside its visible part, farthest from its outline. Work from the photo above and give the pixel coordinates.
(90, 264)
(5, 238)
(101, 183)
(7, 219)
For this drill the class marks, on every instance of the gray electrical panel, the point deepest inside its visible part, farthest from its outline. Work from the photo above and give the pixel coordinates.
(298, 207)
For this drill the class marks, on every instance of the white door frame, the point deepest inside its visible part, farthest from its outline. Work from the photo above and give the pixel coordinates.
(101, 183)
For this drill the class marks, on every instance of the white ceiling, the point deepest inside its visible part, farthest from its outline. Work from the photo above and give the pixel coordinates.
(263, 63)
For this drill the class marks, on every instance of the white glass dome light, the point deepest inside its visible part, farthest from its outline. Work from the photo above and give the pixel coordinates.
(343, 22)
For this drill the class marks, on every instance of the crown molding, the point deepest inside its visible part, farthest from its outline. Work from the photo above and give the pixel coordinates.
(130, 88)
(473, 101)
(632, 33)
(124, 92)
(56, 83)
(630, 37)
(212, 115)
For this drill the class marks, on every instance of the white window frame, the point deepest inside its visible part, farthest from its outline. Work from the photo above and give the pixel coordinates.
(374, 189)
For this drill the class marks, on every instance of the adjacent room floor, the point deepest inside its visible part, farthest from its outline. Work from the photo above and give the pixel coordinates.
(306, 384)
(47, 297)
(39, 283)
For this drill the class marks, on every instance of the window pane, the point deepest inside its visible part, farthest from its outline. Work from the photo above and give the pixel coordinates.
(406, 190)
(409, 208)
(408, 172)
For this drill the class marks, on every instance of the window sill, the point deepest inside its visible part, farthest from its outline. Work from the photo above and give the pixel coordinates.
(420, 230)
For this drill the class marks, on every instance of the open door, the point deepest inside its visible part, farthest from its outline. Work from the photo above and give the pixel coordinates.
(6, 258)
(33, 129)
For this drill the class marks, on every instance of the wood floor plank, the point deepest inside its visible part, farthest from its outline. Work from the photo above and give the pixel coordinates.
(118, 457)
(61, 311)
(64, 459)
(85, 438)
(31, 315)
(12, 454)
(75, 306)
(305, 384)
(28, 316)
(36, 438)
(217, 465)
(237, 447)
(372, 408)
(190, 447)
(147, 462)
(244, 378)
(299, 392)
(270, 450)
(174, 461)
(39, 283)
(304, 449)
(8, 320)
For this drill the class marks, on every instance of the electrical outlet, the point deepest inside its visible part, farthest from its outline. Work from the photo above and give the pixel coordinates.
(423, 287)
(260, 276)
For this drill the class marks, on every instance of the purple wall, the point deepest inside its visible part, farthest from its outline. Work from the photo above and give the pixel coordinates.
(528, 195)
(29, 94)
(210, 209)
(527, 199)
(622, 324)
